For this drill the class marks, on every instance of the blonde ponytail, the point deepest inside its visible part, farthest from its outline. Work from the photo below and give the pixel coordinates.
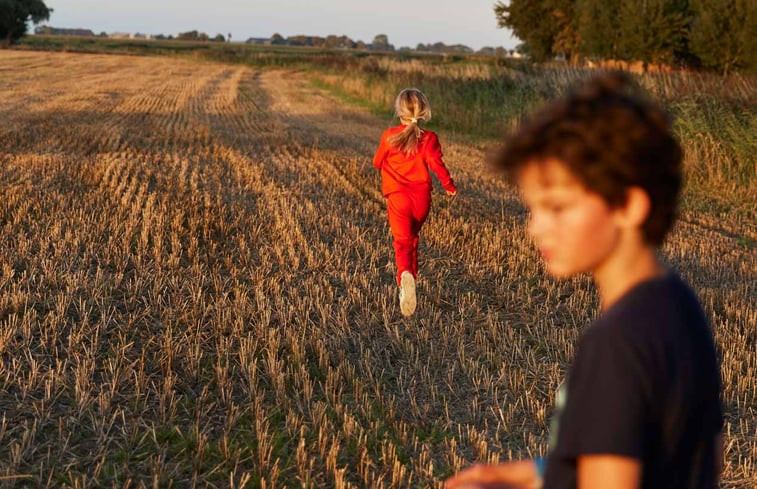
(411, 106)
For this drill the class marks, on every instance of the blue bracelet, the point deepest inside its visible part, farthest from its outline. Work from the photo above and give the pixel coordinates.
(541, 465)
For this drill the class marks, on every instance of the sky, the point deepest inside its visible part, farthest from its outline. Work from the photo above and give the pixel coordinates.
(406, 22)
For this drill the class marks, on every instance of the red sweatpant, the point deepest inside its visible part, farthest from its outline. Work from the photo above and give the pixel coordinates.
(407, 211)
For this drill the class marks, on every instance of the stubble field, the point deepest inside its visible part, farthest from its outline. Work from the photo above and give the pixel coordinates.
(196, 290)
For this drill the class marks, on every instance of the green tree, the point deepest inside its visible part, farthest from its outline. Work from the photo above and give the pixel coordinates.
(193, 36)
(381, 43)
(598, 28)
(522, 49)
(748, 39)
(188, 36)
(722, 31)
(332, 41)
(566, 38)
(530, 22)
(15, 15)
(652, 31)
(546, 27)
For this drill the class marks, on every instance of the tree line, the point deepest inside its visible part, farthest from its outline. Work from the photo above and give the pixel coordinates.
(194, 35)
(713, 34)
(380, 43)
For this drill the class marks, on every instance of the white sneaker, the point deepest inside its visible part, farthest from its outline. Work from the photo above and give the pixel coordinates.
(407, 293)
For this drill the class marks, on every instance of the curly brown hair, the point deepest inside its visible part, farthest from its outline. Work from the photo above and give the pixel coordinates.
(611, 137)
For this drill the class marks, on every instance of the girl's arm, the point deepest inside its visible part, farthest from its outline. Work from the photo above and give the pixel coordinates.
(378, 158)
(435, 162)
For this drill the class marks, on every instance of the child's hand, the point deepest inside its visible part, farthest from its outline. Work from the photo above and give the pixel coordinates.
(451, 193)
(509, 475)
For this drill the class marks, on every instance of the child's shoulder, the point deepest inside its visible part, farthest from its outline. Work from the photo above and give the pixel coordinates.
(430, 136)
(655, 307)
(390, 131)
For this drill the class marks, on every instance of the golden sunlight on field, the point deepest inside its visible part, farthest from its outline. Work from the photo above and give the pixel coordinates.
(197, 287)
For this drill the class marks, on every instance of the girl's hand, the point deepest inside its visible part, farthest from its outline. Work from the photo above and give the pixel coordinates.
(510, 475)
(451, 193)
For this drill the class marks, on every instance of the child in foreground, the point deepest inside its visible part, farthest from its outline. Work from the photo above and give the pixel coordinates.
(600, 171)
(404, 156)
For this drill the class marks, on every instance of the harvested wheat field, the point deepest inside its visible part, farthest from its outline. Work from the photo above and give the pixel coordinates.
(197, 290)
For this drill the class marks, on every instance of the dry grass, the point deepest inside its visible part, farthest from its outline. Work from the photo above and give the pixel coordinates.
(715, 117)
(196, 289)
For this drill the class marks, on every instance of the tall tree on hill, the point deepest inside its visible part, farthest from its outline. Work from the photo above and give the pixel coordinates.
(722, 31)
(652, 31)
(15, 15)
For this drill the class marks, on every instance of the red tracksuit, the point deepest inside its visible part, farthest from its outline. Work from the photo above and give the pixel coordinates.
(406, 184)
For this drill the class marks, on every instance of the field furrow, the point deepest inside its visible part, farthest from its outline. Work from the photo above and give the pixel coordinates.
(197, 288)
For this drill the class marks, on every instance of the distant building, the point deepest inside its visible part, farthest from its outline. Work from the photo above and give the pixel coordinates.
(258, 40)
(58, 31)
(120, 35)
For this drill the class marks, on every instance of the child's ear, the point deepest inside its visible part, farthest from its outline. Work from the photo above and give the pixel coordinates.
(636, 209)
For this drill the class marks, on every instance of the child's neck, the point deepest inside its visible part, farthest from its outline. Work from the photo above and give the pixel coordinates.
(628, 267)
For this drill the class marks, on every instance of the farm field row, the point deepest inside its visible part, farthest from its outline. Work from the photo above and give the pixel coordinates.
(197, 288)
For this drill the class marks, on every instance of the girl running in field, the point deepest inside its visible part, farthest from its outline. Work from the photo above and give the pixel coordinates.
(404, 156)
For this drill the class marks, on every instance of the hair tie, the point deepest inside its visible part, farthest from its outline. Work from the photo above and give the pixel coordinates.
(414, 121)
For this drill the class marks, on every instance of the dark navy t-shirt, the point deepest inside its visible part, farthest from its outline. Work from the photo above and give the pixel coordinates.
(644, 384)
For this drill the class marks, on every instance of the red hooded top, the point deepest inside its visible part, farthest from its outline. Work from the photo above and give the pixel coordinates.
(400, 171)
